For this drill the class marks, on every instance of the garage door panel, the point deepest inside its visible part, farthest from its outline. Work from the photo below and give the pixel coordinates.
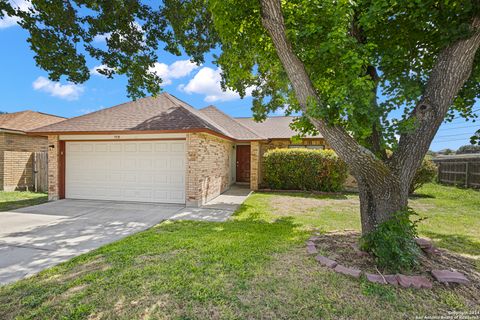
(126, 171)
(147, 147)
(101, 147)
(115, 147)
(177, 196)
(178, 147)
(130, 147)
(160, 179)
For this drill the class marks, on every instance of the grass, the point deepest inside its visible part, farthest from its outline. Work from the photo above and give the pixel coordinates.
(18, 199)
(254, 266)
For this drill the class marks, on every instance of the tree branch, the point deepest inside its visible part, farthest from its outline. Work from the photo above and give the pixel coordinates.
(361, 161)
(451, 71)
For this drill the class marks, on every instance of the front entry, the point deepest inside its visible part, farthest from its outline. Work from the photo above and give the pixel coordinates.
(243, 163)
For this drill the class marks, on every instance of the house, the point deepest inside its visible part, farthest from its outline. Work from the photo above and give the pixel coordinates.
(160, 149)
(17, 148)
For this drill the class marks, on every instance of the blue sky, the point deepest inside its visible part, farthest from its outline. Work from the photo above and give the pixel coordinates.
(25, 86)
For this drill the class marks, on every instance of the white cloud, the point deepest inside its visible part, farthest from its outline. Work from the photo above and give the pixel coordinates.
(94, 70)
(67, 91)
(207, 82)
(176, 70)
(102, 37)
(7, 21)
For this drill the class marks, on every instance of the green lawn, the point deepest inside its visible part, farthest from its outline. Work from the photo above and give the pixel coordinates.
(18, 199)
(252, 267)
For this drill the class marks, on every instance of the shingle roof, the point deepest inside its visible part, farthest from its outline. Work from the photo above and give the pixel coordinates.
(232, 128)
(27, 120)
(163, 112)
(168, 113)
(272, 128)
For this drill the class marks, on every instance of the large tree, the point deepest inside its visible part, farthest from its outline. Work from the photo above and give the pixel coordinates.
(369, 75)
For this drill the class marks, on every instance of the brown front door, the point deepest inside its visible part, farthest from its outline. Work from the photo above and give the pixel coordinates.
(243, 163)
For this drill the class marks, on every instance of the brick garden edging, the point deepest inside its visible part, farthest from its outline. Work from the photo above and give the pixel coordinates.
(405, 281)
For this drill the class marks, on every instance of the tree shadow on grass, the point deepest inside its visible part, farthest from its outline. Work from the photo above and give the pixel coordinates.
(455, 242)
(421, 196)
(195, 261)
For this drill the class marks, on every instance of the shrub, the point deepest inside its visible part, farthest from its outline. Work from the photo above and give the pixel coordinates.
(426, 173)
(468, 149)
(393, 242)
(304, 169)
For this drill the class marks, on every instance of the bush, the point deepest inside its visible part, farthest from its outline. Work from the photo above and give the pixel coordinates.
(468, 149)
(426, 173)
(393, 242)
(304, 169)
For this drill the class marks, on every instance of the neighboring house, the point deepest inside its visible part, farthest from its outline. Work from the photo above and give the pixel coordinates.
(17, 148)
(160, 150)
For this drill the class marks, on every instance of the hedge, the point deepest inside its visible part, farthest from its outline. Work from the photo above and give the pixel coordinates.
(304, 169)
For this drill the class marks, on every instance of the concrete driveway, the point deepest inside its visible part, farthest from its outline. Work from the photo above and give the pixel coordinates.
(38, 237)
(34, 238)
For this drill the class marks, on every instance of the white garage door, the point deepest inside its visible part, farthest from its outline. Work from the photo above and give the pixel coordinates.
(149, 171)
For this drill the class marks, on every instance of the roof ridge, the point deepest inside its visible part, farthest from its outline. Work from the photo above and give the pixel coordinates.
(184, 105)
(48, 114)
(217, 124)
(240, 124)
(16, 113)
(270, 117)
(31, 111)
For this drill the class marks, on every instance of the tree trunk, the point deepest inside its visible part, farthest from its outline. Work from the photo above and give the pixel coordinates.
(379, 201)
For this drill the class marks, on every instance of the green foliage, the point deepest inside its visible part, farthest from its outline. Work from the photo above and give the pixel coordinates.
(468, 149)
(426, 173)
(304, 169)
(349, 49)
(475, 139)
(392, 242)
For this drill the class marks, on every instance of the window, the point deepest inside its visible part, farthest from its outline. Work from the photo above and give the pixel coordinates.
(296, 146)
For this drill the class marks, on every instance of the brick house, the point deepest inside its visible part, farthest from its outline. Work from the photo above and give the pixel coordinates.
(160, 149)
(17, 148)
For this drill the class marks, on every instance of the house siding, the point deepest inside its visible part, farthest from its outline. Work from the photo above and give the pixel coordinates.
(208, 167)
(16, 160)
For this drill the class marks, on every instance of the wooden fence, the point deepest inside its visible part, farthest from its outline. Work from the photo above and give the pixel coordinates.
(40, 171)
(461, 170)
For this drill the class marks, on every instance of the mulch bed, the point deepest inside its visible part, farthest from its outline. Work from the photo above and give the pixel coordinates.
(342, 247)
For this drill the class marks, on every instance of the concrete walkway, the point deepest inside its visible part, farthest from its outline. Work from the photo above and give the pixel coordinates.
(38, 237)
(218, 209)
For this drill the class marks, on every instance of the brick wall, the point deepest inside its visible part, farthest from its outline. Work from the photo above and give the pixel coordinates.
(282, 143)
(53, 160)
(16, 160)
(255, 163)
(208, 167)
